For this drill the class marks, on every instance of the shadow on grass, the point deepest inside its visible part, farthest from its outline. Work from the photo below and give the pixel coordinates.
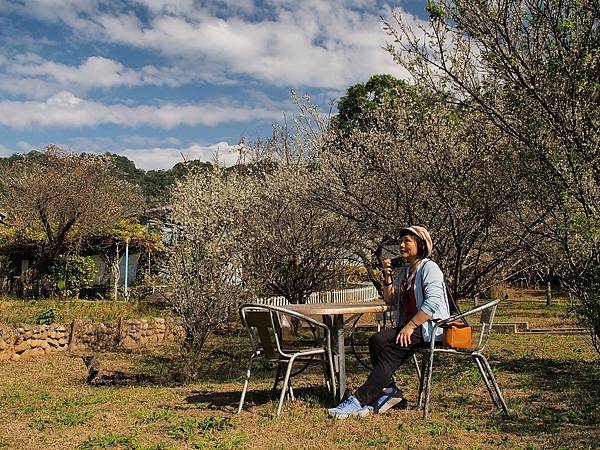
(215, 400)
(557, 392)
(224, 365)
(555, 398)
(528, 316)
(229, 400)
(108, 369)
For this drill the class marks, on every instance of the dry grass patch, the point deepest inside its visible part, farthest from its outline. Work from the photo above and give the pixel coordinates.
(550, 383)
(14, 310)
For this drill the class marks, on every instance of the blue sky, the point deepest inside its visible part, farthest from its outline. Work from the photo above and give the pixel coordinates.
(160, 80)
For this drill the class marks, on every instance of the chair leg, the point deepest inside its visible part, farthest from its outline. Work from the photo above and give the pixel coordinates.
(422, 372)
(284, 388)
(332, 375)
(326, 373)
(486, 380)
(427, 386)
(495, 384)
(277, 378)
(416, 361)
(245, 389)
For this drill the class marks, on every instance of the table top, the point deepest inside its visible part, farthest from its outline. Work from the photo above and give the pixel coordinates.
(377, 306)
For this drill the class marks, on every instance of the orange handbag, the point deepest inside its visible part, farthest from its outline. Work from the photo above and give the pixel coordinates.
(458, 335)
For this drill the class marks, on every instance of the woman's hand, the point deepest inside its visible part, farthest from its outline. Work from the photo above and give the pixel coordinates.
(387, 271)
(403, 338)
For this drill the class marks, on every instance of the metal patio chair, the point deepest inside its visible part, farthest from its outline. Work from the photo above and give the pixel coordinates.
(273, 332)
(487, 311)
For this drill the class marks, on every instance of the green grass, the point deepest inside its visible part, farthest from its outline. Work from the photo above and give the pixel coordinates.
(39, 424)
(52, 405)
(62, 419)
(236, 441)
(188, 428)
(86, 400)
(120, 441)
(72, 418)
(158, 415)
(109, 440)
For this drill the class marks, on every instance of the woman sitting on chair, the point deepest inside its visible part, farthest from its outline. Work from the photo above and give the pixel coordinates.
(417, 288)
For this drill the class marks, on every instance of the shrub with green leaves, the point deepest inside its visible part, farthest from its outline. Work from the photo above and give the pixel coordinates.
(46, 316)
(69, 274)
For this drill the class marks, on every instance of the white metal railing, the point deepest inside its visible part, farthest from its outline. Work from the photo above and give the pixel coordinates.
(364, 294)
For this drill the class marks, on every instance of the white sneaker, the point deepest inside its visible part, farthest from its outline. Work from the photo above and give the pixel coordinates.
(389, 397)
(350, 407)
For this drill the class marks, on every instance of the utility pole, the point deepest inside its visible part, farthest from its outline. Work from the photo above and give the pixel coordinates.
(116, 273)
(125, 291)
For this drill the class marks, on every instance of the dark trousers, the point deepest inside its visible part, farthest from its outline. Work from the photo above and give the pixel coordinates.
(386, 357)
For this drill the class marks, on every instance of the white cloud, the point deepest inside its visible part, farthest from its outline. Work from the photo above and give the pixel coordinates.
(169, 6)
(20, 147)
(94, 71)
(325, 49)
(26, 147)
(5, 151)
(166, 157)
(29, 87)
(323, 44)
(95, 144)
(68, 11)
(149, 140)
(67, 110)
(34, 77)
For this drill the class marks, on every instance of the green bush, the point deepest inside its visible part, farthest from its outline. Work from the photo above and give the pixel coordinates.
(46, 316)
(69, 274)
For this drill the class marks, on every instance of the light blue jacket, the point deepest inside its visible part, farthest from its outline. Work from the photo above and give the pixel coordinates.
(429, 280)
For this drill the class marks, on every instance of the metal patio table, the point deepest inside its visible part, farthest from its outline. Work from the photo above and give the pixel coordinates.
(333, 316)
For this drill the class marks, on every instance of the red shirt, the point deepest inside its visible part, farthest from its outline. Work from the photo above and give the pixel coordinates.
(408, 302)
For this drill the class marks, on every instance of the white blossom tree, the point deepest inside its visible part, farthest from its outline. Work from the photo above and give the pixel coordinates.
(207, 207)
(294, 247)
(421, 161)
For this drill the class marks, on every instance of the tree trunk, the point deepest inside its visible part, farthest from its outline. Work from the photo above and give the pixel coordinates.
(549, 287)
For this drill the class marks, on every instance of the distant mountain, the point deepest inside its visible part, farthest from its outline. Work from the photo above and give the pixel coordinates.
(154, 183)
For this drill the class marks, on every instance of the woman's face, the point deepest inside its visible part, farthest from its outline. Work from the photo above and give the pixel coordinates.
(409, 248)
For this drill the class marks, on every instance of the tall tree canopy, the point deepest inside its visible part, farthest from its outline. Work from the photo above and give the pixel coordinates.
(362, 99)
(63, 196)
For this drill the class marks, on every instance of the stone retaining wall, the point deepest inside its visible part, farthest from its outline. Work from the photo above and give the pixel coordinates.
(25, 341)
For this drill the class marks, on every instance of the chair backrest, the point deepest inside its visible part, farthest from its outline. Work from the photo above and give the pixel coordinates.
(264, 328)
(486, 321)
(277, 331)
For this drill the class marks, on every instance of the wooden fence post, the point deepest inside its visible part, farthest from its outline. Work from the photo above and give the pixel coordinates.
(73, 335)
